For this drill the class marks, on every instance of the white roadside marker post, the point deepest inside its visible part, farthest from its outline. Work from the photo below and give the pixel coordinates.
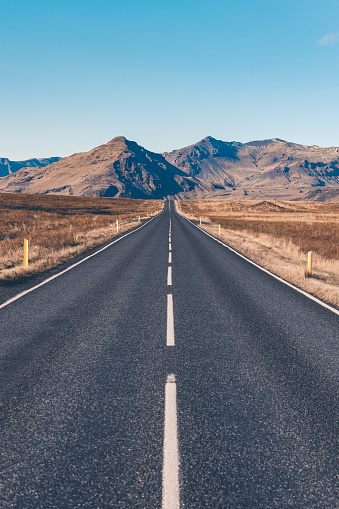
(309, 263)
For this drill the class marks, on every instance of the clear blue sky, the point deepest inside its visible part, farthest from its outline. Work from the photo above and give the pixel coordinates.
(76, 73)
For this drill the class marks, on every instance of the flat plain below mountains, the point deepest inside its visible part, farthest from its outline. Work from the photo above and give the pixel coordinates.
(60, 228)
(268, 169)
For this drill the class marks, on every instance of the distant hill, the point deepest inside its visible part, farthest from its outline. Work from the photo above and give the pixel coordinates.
(8, 167)
(268, 164)
(120, 168)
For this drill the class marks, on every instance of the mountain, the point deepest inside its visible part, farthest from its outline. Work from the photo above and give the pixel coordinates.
(8, 167)
(258, 165)
(120, 168)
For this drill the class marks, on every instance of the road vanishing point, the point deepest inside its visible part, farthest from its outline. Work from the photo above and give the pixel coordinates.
(167, 371)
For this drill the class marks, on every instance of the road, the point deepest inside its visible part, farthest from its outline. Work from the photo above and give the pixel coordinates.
(166, 371)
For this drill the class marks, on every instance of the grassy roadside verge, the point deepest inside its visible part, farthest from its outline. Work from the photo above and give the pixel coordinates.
(59, 228)
(277, 236)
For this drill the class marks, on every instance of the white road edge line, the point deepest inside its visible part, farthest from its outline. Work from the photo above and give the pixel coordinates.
(303, 292)
(170, 321)
(170, 471)
(170, 257)
(22, 294)
(169, 276)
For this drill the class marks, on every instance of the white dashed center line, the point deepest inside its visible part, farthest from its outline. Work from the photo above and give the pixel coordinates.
(170, 321)
(170, 472)
(169, 276)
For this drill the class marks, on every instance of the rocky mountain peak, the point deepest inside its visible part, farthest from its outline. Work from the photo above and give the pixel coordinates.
(118, 139)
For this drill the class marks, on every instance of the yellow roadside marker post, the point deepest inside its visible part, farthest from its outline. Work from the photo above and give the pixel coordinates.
(25, 253)
(117, 225)
(219, 229)
(200, 221)
(309, 263)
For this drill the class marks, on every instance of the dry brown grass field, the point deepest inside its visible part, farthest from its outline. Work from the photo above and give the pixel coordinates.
(60, 227)
(278, 236)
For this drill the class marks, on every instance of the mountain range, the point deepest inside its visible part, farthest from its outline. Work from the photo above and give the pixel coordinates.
(8, 167)
(210, 168)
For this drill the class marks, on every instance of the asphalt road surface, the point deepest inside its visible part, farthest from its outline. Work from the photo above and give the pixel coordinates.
(166, 371)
